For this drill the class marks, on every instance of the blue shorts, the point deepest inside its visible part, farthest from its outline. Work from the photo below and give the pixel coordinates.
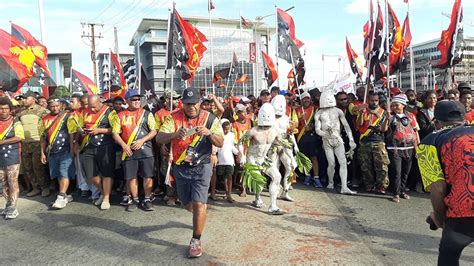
(192, 182)
(61, 165)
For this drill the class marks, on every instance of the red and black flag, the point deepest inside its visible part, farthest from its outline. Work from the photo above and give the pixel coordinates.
(210, 6)
(117, 78)
(354, 61)
(221, 74)
(269, 69)
(288, 44)
(16, 62)
(368, 33)
(406, 32)
(40, 78)
(235, 63)
(397, 45)
(185, 46)
(40, 51)
(376, 44)
(242, 78)
(81, 83)
(451, 39)
(148, 92)
(245, 23)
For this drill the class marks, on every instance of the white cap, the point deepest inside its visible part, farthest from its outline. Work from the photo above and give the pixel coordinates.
(240, 107)
(244, 99)
(304, 95)
(224, 120)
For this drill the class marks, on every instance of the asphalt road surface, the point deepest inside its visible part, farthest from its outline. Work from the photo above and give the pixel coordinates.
(321, 227)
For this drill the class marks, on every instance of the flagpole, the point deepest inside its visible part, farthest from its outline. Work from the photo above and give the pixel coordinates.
(387, 47)
(241, 49)
(110, 71)
(412, 60)
(139, 65)
(277, 40)
(297, 85)
(230, 71)
(369, 49)
(212, 46)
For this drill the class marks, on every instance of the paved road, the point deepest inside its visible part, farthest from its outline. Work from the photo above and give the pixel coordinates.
(320, 227)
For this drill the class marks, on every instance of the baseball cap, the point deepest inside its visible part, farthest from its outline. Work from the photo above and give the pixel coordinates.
(240, 107)
(244, 99)
(191, 96)
(463, 85)
(171, 93)
(118, 99)
(449, 111)
(132, 93)
(304, 95)
(264, 92)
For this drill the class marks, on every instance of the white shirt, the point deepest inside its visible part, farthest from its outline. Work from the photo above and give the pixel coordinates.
(225, 155)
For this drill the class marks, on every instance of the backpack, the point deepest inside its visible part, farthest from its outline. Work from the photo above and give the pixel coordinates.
(402, 133)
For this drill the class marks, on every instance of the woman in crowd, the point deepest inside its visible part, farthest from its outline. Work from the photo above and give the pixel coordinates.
(401, 140)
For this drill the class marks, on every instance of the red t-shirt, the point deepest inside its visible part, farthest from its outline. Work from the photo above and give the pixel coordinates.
(469, 117)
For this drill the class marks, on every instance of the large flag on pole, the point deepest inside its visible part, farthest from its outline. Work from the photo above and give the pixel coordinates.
(376, 42)
(369, 33)
(396, 41)
(16, 62)
(451, 38)
(147, 91)
(288, 44)
(269, 69)
(185, 46)
(41, 52)
(354, 60)
(117, 78)
(81, 83)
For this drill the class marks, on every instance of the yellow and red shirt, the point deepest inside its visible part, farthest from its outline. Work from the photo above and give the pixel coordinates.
(308, 118)
(10, 153)
(56, 129)
(104, 118)
(193, 150)
(469, 117)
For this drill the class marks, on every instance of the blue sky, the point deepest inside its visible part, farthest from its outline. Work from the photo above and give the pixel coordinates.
(321, 24)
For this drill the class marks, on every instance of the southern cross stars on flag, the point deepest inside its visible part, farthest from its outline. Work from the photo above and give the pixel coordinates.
(185, 46)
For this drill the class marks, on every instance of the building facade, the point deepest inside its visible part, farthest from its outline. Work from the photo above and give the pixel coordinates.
(228, 37)
(427, 76)
(103, 66)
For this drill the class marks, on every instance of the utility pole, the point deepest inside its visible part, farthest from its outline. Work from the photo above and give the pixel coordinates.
(92, 36)
(116, 48)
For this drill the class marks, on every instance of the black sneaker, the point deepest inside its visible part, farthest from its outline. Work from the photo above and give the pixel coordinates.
(147, 206)
(132, 207)
(126, 200)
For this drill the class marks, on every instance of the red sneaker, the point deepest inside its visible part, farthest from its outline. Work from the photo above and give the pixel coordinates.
(195, 250)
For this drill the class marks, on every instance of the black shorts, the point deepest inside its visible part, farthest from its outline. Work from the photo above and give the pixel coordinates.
(144, 167)
(192, 182)
(223, 171)
(308, 145)
(99, 161)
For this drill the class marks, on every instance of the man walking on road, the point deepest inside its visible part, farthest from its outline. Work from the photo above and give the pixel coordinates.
(192, 132)
(134, 131)
(446, 164)
(34, 170)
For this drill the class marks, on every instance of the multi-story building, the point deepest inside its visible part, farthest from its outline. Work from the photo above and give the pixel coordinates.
(228, 37)
(427, 76)
(103, 66)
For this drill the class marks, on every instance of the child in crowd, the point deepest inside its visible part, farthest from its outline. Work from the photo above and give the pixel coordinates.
(225, 158)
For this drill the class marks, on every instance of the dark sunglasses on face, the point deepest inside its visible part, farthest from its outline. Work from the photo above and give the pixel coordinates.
(135, 100)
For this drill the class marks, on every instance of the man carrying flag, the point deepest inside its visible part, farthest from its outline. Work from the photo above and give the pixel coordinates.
(134, 131)
(57, 131)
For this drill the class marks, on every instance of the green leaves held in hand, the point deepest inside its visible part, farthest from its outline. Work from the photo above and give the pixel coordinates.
(252, 178)
(304, 163)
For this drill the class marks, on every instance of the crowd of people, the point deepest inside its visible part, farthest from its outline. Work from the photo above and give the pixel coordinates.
(196, 142)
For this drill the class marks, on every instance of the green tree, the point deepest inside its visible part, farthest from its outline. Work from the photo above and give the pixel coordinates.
(62, 91)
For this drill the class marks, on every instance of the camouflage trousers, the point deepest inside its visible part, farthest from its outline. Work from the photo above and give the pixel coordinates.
(32, 166)
(373, 158)
(9, 179)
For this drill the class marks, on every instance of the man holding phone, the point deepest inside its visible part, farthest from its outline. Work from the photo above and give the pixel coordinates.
(192, 132)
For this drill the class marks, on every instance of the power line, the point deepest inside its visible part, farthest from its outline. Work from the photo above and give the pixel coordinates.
(103, 11)
(91, 35)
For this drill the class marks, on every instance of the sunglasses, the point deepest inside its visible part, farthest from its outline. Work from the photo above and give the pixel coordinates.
(135, 100)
